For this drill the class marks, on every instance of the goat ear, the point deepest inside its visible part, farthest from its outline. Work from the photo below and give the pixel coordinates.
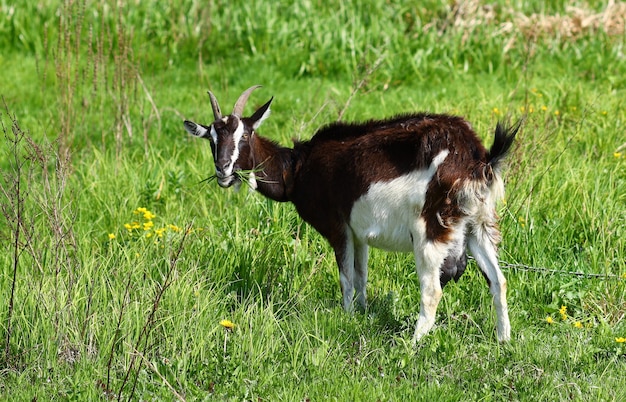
(196, 130)
(261, 114)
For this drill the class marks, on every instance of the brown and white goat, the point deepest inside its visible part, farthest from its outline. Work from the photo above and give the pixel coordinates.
(418, 182)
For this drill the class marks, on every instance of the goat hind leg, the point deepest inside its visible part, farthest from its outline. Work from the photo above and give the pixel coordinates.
(483, 248)
(428, 260)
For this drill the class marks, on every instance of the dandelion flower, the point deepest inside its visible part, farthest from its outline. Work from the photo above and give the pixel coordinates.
(549, 320)
(556, 113)
(111, 236)
(620, 339)
(563, 312)
(578, 324)
(227, 324)
(544, 108)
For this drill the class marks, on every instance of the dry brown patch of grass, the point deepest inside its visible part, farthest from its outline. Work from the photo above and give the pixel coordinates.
(577, 21)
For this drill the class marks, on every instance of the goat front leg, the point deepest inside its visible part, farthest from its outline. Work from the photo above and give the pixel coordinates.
(428, 259)
(344, 254)
(360, 273)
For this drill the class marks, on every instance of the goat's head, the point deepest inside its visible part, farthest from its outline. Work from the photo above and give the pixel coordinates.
(230, 137)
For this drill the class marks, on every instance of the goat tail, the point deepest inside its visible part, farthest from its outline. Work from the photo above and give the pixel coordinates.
(503, 140)
(492, 186)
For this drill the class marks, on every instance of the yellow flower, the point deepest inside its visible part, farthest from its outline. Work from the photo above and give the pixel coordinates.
(556, 113)
(496, 110)
(128, 226)
(148, 215)
(544, 108)
(140, 210)
(159, 232)
(148, 225)
(549, 320)
(578, 324)
(227, 324)
(620, 339)
(563, 312)
(174, 228)
(111, 236)
(617, 154)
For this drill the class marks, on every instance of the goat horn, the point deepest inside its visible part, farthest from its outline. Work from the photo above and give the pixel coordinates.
(241, 102)
(217, 113)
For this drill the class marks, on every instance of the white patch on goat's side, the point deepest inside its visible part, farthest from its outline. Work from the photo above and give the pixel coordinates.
(386, 216)
(438, 159)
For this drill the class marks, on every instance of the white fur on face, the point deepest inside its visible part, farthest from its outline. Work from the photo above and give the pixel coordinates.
(237, 135)
(213, 135)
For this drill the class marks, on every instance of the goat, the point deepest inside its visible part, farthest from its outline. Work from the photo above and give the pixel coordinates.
(415, 182)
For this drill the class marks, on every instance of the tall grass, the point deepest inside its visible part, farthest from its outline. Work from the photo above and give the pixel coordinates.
(102, 300)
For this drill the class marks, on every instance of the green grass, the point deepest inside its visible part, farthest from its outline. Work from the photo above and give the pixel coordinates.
(137, 316)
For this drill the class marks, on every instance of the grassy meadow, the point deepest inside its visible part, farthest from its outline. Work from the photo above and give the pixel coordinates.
(125, 275)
